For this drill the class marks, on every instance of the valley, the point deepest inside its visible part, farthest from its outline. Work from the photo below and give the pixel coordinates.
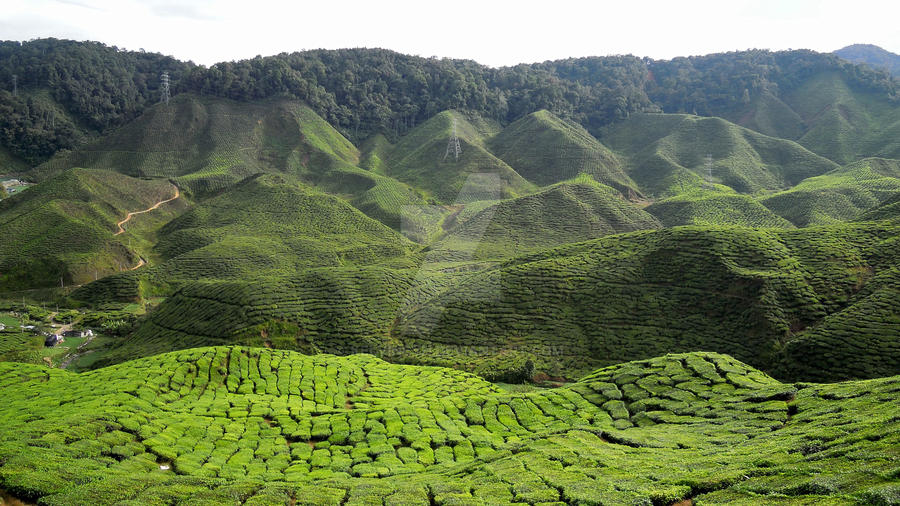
(636, 282)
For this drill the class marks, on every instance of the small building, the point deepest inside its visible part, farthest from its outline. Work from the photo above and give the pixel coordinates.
(78, 333)
(52, 340)
(2, 327)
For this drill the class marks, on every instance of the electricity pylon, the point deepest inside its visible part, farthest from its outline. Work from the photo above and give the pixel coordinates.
(164, 88)
(453, 144)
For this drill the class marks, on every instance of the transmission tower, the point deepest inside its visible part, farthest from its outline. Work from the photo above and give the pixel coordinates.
(15, 87)
(164, 88)
(453, 144)
(709, 167)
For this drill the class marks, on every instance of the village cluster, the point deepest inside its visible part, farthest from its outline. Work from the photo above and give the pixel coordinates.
(51, 339)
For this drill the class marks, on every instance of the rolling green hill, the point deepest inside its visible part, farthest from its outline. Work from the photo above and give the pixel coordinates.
(545, 149)
(319, 229)
(566, 310)
(419, 159)
(208, 144)
(573, 211)
(64, 228)
(890, 210)
(840, 121)
(269, 225)
(313, 321)
(715, 208)
(637, 295)
(260, 426)
(666, 155)
(839, 195)
(830, 116)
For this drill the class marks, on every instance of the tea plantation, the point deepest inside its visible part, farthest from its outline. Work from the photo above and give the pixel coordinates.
(65, 227)
(602, 299)
(258, 426)
(805, 304)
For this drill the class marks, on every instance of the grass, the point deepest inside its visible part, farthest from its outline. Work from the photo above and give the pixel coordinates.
(262, 425)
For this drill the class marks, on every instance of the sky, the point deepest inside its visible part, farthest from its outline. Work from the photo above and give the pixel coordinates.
(494, 33)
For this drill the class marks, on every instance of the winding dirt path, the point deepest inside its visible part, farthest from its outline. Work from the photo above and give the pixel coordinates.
(154, 206)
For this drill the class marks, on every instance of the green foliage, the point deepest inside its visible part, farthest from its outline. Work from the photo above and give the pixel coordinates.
(715, 208)
(573, 211)
(545, 149)
(63, 229)
(419, 160)
(872, 55)
(34, 129)
(745, 291)
(18, 345)
(270, 224)
(840, 195)
(263, 426)
(750, 292)
(363, 92)
(661, 149)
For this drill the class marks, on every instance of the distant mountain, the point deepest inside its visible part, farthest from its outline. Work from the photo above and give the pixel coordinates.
(871, 55)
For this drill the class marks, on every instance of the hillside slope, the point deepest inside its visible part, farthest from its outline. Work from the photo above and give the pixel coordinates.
(418, 159)
(715, 208)
(64, 229)
(208, 144)
(316, 228)
(572, 211)
(545, 149)
(636, 295)
(666, 155)
(566, 310)
(269, 225)
(871, 55)
(839, 195)
(262, 426)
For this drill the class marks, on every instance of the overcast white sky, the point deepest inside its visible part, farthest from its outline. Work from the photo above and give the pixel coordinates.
(491, 32)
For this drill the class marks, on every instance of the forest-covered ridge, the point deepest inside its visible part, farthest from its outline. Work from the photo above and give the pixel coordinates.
(67, 91)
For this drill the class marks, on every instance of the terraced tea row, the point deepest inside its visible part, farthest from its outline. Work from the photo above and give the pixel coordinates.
(267, 426)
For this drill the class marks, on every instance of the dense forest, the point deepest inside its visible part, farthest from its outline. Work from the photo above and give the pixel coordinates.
(367, 91)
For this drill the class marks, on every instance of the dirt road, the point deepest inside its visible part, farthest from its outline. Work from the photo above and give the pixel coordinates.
(154, 206)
